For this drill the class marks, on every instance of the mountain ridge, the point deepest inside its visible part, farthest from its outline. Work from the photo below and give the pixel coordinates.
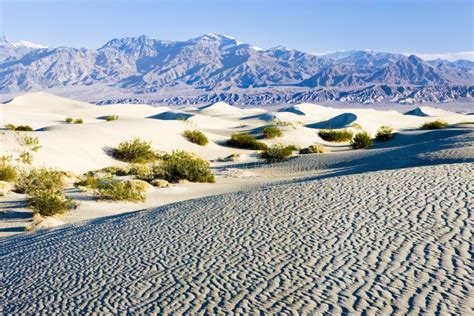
(220, 68)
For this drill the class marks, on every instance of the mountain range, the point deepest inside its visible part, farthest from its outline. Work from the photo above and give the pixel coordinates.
(215, 67)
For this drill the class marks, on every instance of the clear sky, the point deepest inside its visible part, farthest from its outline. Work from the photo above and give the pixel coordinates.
(422, 26)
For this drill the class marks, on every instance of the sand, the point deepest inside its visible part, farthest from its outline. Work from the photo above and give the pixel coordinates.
(378, 231)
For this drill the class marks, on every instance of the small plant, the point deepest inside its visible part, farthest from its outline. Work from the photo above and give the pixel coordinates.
(246, 141)
(313, 149)
(39, 179)
(361, 140)
(331, 135)
(88, 181)
(356, 126)
(47, 202)
(8, 172)
(271, 131)
(384, 134)
(434, 125)
(275, 153)
(116, 190)
(141, 171)
(31, 141)
(294, 147)
(109, 118)
(69, 120)
(25, 157)
(78, 121)
(196, 137)
(181, 165)
(10, 127)
(135, 150)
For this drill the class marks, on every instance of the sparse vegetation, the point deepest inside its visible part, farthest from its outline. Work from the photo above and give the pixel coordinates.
(361, 140)
(39, 179)
(88, 181)
(331, 135)
(136, 151)
(109, 118)
(434, 125)
(271, 131)
(275, 153)
(32, 142)
(196, 137)
(313, 149)
(69, 120)
(116, 190)
(181, 165)
(19, 128)
(25, 157)
(8, 172)
(47, 202)
(78, 121)
(246, 141)
(384, 133)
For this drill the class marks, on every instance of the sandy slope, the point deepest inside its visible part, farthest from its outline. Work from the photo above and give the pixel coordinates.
(398, 243)
(385, 230)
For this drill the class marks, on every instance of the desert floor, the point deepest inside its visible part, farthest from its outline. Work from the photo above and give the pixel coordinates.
(383, 230)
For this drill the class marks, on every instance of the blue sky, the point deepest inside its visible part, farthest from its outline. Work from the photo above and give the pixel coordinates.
(422, 26)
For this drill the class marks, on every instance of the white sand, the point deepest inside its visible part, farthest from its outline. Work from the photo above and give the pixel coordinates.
(379, 231)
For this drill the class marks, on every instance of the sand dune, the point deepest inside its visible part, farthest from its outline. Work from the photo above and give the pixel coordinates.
(399, 243)
(379, 231)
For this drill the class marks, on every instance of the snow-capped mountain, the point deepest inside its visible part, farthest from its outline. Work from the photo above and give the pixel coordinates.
(216, 67)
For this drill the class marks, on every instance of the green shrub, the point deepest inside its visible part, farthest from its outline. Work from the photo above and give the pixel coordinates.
(39, 179)
(135, 150)
(115, 170)
(78, 121)
(361, 140)
(196, 137)
(47, 202)
(384, 133)
(294, 147)
(25, 157)
(109, 118)
(434, 125)
(275, 153)
(69, 120)
(141, 171)
(181, 165)
(10, 127)
(88, 181)
(116, 190)
(313, 149)
(332, 135)
(8, 172)
(271, 131)
(246, 141)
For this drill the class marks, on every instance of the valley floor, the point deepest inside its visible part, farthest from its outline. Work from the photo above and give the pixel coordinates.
(385, 230)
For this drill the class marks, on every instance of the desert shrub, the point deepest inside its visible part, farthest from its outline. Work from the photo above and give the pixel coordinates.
(8, 172)
(294, 147)
(24, 128)
(109, 118)
(136, 151)
(181, 165)
(196, 137)
(69, 120)
(384, 133)
(141, 171)
(434, 125)
(115, 170)
(47, 202)
(331, 135)
(361, 140)
(39, 179)
(116, 190)
(32, 142)
(275, 153)
(78, 121)
(246, 141)
(25, 157)
(271, 131)
(10, 127)
(88, 181)
(313, 149)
